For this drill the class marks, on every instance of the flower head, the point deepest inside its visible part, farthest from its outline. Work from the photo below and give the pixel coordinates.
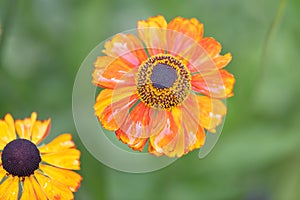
(163, 86)
(42, 171)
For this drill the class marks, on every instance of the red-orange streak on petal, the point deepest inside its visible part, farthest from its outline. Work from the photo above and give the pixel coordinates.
(132, 142)
(115, 71)
(218, 84)
(137, 122)
(113, 116)
(160, 141)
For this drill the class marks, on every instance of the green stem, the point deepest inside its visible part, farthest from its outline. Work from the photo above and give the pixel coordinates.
(270, 33)
(6, 22)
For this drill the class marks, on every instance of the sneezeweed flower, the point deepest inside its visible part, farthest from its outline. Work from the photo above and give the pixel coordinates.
(164, 87)
(31, 170)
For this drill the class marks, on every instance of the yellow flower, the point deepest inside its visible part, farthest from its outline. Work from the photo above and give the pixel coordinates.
(164, 86)
(42, 171)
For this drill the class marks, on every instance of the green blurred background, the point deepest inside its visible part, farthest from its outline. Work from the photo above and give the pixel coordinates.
(257, 156)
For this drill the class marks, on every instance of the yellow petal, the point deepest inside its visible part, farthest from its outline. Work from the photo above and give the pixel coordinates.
(68, 159)
(2, 143)
(9, 189)
(66, 177)
(60, 143)
(24, 127)
(53, 189)
(212, 112)
(11, 125)
(32, 190)
(2, 172)
(7, 130)
(40, 131)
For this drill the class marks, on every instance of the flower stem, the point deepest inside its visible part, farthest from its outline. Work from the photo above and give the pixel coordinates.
(5, 23)
(270, 33)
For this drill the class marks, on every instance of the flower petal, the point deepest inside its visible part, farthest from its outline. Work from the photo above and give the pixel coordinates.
(60, 143)
(106, 97)
(133, 142)
(222, 61)
(212, 112)
(137, 122)
(24, 127)
(189, 136)
(113, 116)
(190, 27)
(52, 188)
(65, 177)
(68, 159)
(9, 189)
(218, 84)
(40, 131)
(2, 172)
(126, 46)
(153, 33)
(136, 127)
(32, 190)
(7, 130)
(161, 141)
(211, 46)
(111, 71)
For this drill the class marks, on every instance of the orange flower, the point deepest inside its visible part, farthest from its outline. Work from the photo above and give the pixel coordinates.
(163, 87)
(43, 171)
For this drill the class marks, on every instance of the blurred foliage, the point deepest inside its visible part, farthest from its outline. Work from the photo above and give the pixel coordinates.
(257, 156)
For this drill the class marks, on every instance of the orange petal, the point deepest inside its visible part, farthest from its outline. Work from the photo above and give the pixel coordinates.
(126, 46)
(218, 84)
(52, 188)
(161, 142)
(24, 127)
(189, 136)
(113, 116)
(106, 97)
(132, 142)
(211, 46)
(194, 133)
(190, 27)
(9, 189)
(212, 112)
(153, 33)
(111, 71)
(7, 130)
(68, 159)
(32, 190)
(137, 122)
(65, 177)
(222, 61)
(60, 143)
(40, 131)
